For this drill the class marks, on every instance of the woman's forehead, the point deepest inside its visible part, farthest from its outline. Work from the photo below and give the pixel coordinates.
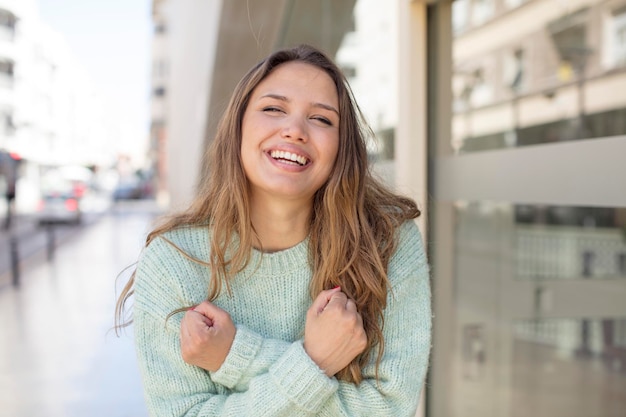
(298, 78)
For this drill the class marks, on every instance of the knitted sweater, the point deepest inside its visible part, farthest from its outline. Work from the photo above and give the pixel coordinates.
(267, 372)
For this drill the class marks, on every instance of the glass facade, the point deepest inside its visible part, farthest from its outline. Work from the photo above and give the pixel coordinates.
(529, 286)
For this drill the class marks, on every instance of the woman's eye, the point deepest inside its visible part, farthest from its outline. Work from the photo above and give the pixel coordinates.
(271, 109)
(323, 120)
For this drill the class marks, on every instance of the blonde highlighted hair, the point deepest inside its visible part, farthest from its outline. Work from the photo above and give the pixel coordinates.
(353, 221)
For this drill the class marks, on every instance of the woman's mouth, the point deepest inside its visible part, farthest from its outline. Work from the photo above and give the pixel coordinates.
(289, 158)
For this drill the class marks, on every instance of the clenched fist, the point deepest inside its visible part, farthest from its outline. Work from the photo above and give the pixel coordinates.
(333, 333)
(206, 335)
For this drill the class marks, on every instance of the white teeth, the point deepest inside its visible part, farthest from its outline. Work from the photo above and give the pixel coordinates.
(289, 157)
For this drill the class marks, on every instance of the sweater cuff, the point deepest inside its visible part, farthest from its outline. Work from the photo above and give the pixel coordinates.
(301, 380)
(244, 349)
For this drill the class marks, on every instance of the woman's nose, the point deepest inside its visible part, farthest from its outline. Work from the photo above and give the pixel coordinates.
(294, 129)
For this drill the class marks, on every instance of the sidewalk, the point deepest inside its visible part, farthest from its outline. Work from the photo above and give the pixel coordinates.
(58, 356)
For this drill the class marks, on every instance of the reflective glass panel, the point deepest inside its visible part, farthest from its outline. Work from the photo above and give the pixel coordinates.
(554, 78)
(574, 368)
(553, 242)
(541, 242)
(536, 332)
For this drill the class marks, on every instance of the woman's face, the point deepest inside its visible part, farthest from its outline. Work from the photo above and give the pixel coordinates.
(290, 132)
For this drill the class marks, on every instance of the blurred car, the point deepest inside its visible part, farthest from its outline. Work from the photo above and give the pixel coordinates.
(59, 208)
(60, 200)
(132, 187)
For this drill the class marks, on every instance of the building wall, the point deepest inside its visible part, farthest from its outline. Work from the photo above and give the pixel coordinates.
(160, 91)
(50, 112)
(191, 44)
(54, 110)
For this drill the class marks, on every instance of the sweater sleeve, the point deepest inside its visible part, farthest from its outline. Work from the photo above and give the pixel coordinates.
(292, 385)
(407, 335)
(250, 355)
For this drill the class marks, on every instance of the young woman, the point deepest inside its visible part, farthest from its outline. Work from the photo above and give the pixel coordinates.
(295, 284)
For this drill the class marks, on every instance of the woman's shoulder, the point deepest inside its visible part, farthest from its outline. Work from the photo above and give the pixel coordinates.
(408, 234)
(410, 256)
(193, 241)
(168, 267)
(173, 250)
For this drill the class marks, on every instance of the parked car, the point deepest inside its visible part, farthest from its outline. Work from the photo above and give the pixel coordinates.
(60, 200)
(133, 187)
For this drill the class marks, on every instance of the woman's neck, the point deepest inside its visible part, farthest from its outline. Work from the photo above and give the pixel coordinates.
(279, 224)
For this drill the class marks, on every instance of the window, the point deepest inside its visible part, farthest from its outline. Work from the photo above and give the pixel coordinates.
(160, 28)
(514, 3)
(160, 68)
(481, 92)
(7, 126)
(460, 15)
(6, 68)
(7, 19)
(514, 70)
(618, 35)
(482, 11)
(7, 24)
(569, 34)
(6, 73)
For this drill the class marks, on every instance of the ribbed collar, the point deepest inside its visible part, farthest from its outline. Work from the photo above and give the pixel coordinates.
(261, 263)
(287, 260)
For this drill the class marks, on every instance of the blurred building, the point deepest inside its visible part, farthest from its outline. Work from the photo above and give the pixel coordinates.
(505, 120)
(50, 111)
(158, 101)
(553, 78)
(8, 20)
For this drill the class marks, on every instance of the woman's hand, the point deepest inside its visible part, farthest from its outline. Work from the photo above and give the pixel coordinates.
(206, 335)
(333, 334)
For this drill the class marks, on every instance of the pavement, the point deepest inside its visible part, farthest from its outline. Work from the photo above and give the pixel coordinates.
(59, 356)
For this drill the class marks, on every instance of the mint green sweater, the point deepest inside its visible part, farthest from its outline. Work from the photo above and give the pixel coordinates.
(267, 372)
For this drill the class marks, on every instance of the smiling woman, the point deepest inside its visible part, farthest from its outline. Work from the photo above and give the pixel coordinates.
(295, 284)
(290, 138)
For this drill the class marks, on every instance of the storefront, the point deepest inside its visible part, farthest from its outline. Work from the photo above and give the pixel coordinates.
(527, 232)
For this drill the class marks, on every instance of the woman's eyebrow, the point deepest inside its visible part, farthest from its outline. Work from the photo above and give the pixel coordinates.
(275, 96)
(286, 100)
(326, 106)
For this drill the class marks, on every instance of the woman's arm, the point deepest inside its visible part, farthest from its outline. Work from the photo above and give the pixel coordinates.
(291, 385)
(333, 336)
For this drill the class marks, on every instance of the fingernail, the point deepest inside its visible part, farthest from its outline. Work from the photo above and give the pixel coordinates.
(338, 286)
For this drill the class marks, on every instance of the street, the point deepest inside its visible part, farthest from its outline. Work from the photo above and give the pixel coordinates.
(31, 242)
(58, 353)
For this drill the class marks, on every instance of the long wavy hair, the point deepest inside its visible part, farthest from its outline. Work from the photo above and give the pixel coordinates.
(352, 223)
